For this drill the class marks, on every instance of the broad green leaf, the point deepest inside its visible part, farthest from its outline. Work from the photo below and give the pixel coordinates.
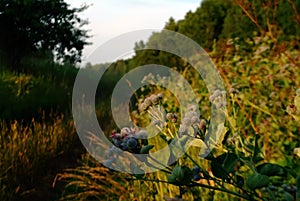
(287, 197)
(257, 154)
(223, 165)
(181, 174)
(270, 169)
(145, 149)
(257, 180)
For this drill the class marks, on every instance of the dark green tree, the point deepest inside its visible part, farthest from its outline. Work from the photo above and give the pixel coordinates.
(171, 25)
(237, 24)
(31, 26)
(206, 23)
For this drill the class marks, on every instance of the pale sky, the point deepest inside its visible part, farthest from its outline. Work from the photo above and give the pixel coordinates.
(111, 18)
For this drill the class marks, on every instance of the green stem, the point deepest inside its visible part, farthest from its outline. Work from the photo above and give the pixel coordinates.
(248, 194)
(206, 174)
(160, 163)
(196, 184)
(220, 189)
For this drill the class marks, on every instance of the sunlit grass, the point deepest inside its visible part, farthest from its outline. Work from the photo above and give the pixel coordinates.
(92, 181)
(26, 149)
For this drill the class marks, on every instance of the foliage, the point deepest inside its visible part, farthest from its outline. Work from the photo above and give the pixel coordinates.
(29, 96)
(255, 46)
(40, 26)
(258, 157)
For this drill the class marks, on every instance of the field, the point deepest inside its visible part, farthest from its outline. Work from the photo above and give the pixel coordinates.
(254, 154)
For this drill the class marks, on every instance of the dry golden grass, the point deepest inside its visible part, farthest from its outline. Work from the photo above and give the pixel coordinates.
(93, 183)
(26, 149)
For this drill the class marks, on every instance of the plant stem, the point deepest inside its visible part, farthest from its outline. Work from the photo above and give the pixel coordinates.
(197, 184)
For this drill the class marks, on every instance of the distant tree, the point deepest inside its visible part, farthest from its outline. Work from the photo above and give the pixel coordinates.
(171, 25)
(206, 23)
(237, 24)
(30, 26)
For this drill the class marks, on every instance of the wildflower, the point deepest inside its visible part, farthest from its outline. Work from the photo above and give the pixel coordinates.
(220, 105)
(233, 90)
(217, 92)
(297, 151)
(212, 97)
(192, 108)
(232, 140)
(273, 95)
(123, 145)
(195, 119)
(117, 141)
(196, 170)
(169, 116)
(202, 124)
(172, 117)
(197, 177)
(291, 109)
(148, 101)
(125, 131)
(186, 121)
(143, 107)
(116, 135)
(182, 130)
(132, 143)
(191, 114)
(154, 99)
(218, 98)
(160, 96)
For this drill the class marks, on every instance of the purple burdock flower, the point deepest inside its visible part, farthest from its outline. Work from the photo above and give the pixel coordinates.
(125, 131)
(160, 96)
(132, 143)
(147, 102)
(202, 124)
(154, 99)
(196, 170)
(195, 119)
(169, 116)
(182, 130)
(197, 177)
(186, 121)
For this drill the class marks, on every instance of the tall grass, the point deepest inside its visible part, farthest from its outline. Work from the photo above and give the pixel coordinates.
(26, 149)
(91, 181)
